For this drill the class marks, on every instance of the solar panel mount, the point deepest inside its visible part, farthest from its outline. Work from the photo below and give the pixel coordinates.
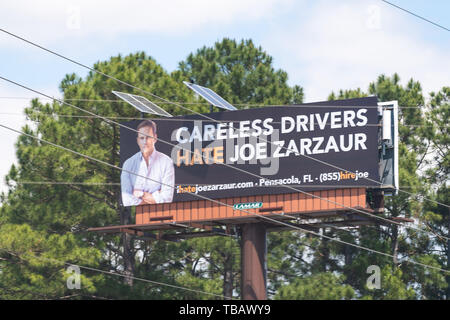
(142, 104)
(210, 96)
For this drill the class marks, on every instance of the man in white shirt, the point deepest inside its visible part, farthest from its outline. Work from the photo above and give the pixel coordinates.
(148, 162)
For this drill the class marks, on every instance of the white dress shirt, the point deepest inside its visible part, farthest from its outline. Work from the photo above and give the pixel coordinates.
(161, 174)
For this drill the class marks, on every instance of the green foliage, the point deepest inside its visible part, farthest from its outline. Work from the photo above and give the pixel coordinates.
(32, 264)
(321, 286)
(42, 226)
(438, 135)
(69, 209)
(392, 286)
(240, 72)
(422, 155)
(347, 94)
(410, 99)
(285, 258)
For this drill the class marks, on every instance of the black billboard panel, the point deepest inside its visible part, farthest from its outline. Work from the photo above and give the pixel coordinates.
(251, 152)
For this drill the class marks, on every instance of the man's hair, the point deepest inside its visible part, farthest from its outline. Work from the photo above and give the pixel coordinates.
(147, 123)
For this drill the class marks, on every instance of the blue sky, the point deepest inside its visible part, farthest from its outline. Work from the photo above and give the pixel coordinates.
(322, 45)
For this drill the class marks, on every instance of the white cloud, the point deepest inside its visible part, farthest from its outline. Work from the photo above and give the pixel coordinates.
(343, 46)
(52, 20)
(12, 115)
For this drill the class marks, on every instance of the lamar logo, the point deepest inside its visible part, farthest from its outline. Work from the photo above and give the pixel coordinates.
(249, 205)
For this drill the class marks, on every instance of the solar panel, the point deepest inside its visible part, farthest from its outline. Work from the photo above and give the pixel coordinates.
(210, 96)
(142, 104)
(153, 107)
(127, 98)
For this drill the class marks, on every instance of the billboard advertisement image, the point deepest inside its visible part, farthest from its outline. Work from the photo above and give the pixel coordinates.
(250, 152)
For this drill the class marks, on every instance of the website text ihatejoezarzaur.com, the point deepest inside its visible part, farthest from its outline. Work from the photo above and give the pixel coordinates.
(306, 179)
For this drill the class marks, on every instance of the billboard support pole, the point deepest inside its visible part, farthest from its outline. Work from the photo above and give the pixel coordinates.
(253, 262)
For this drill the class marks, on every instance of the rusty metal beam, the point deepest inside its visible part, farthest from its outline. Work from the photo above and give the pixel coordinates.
(253, 259)
(352, 218)
(161, 218)
(271, 209)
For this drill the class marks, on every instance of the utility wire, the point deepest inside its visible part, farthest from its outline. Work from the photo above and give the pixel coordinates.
(162, 119)
(118, 184)
(180, 120)
(199, 184)
(70, 182)
(122, 275)
(182, 107)
(207, 104)
(221, 203)
(43, 182)
(225, 164)
(416, 15)
(94, 69)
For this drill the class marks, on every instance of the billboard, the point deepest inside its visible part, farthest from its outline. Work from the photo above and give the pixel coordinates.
(251, 152)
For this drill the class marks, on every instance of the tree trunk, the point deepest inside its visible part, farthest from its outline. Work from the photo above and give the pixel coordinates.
(448, 254)
(348, 255)
(127, 242)
(228, 277)
(395, 244)
(128, 247)
(325, 249)
(125, 218)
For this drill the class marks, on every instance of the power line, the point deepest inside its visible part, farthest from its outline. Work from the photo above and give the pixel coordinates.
(221, 203)
(207, 104)
(225, 164)
(118, 184)
(416, 15)
(70, 182)
(141, 89)
(199, 184)
(124, 276)
(180, 120)
(180, 106)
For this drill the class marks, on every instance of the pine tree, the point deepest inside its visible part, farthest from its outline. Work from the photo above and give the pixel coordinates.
(64, 211)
